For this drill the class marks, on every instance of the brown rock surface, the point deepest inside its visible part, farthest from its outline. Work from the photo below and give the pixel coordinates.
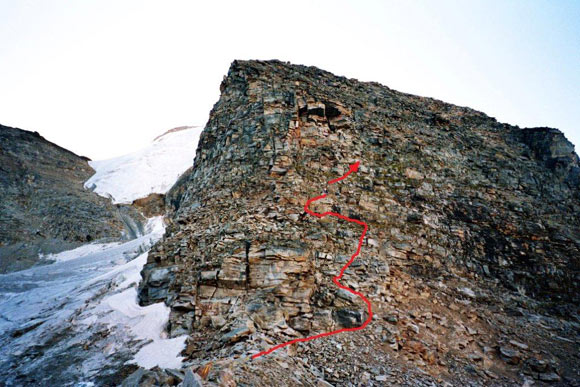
(152, 205)
(473, 242)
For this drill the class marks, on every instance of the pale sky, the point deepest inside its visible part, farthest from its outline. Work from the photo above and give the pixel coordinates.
(103, 78)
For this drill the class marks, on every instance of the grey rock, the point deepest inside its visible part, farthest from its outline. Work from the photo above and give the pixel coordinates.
(192, 379)
(141, 377)
(550, 377)
(348, 318)
(510, 356)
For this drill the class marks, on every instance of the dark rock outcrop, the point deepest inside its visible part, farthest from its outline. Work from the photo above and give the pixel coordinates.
(551, 147)
(44, 207)
(473, 228)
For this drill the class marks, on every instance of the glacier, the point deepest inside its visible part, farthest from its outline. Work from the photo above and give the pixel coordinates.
(153, 169)
(76, 320)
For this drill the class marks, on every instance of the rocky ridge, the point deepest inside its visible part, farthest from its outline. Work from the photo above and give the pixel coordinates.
(471, 261)
(44, 207)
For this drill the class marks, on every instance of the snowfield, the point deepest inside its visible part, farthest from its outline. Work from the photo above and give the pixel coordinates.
(153, 169)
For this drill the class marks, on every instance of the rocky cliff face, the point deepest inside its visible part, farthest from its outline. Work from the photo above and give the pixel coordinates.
(44, 207)
(473, 244)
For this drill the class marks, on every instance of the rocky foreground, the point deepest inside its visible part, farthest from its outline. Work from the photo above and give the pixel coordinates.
(471, 261)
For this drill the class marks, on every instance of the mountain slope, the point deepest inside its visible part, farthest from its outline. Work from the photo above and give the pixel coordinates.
(77, 320)
(153, 169)
(471, 261)
(44, 207)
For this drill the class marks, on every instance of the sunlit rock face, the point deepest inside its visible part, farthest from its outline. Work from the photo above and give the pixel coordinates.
(449, 195)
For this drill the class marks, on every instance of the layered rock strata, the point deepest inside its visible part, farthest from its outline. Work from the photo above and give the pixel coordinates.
(456, 202)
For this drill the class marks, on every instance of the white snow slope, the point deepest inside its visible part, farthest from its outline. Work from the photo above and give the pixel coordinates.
(153, 169)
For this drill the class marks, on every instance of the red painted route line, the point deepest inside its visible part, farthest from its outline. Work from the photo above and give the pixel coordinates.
(353, 168)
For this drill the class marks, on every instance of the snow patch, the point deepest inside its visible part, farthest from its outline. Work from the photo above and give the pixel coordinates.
(79, 252)
(162, 353)
(153, 169)
(155, 226)
(144, 322)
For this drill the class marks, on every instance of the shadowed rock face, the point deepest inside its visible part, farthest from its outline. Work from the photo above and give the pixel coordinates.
(449, 195)
(550, 146)
(44, 207)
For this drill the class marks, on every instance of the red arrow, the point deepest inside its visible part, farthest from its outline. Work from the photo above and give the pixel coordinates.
(336, 279)
(352, 168)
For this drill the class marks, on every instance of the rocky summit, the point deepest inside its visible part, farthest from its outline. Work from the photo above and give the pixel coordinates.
(44, 208)
(471, 260)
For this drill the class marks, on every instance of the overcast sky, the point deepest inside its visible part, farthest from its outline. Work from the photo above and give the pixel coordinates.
(103, 78)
